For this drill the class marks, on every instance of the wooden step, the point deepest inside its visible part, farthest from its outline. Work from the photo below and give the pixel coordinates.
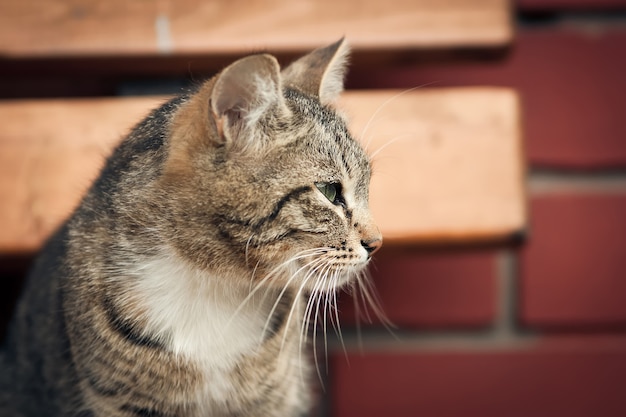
(60, 28)
(448, 162)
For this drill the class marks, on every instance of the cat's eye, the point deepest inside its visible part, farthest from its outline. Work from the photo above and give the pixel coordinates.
(329, 190)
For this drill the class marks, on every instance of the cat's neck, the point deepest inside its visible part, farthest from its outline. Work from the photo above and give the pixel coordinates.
(206, 318)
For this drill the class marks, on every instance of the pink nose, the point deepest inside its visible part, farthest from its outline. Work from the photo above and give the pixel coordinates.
(372, 246)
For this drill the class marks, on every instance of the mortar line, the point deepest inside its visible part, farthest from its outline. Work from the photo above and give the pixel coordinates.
(504, 333)
(448, 341)
(505, 322)
(542, 181)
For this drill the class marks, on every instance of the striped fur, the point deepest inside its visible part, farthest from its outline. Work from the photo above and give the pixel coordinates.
(181, 284)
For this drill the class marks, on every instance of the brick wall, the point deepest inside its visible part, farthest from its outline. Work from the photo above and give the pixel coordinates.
(538, 330)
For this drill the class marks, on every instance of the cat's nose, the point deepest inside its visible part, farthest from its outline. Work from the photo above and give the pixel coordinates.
(372, 246)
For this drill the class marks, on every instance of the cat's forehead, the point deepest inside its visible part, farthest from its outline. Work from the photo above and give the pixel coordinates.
(325, 135)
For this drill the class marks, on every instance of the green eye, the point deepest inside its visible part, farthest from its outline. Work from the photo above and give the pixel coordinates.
(329, 190)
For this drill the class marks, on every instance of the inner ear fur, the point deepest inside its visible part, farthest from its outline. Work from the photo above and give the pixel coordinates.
(321, 73)
(242, 95)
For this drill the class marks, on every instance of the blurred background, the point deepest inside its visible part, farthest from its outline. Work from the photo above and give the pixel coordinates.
(534, 325)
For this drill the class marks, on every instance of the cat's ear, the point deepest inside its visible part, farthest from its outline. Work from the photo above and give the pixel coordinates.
(320, 73)
(242, 95)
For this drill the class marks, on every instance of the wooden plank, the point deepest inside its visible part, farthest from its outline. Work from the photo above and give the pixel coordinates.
(52, 28)
(50, 151)
(447, 162)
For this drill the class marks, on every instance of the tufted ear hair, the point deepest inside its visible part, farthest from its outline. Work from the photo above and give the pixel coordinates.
(320, 73)
(242, 95)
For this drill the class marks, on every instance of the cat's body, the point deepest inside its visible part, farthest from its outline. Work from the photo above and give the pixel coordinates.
(178, 287)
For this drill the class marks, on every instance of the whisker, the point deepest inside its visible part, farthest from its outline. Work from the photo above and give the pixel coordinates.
(314, 294)
(300, 255)
(308, 307)
(366, 312)
(391, 142)
(374, 301)
(319, 295)
(247, 299)
(252, 275)
(248, 247)
(270, 275)
(307, 312)
(326, 313)
(304, 325)
(382, 106)
(357, 317)
(280, 296)
(338, 327)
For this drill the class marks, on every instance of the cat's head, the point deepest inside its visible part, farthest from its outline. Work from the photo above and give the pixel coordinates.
(263, 179)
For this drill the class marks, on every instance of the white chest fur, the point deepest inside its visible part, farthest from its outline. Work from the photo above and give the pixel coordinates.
(200, 316)
(205, 320)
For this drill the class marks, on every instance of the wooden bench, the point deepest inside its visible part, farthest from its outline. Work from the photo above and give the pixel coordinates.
(59, 28)
(449, 165)
(447, 162)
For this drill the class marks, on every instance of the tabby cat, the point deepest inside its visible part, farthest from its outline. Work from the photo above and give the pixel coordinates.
(183, 283)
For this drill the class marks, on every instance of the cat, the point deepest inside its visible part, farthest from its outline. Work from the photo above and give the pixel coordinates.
(183, 282)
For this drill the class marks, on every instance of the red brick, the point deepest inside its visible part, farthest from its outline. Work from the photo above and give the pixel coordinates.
(573, 272)
(563, 378)
(420, 289)
(572, 86)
